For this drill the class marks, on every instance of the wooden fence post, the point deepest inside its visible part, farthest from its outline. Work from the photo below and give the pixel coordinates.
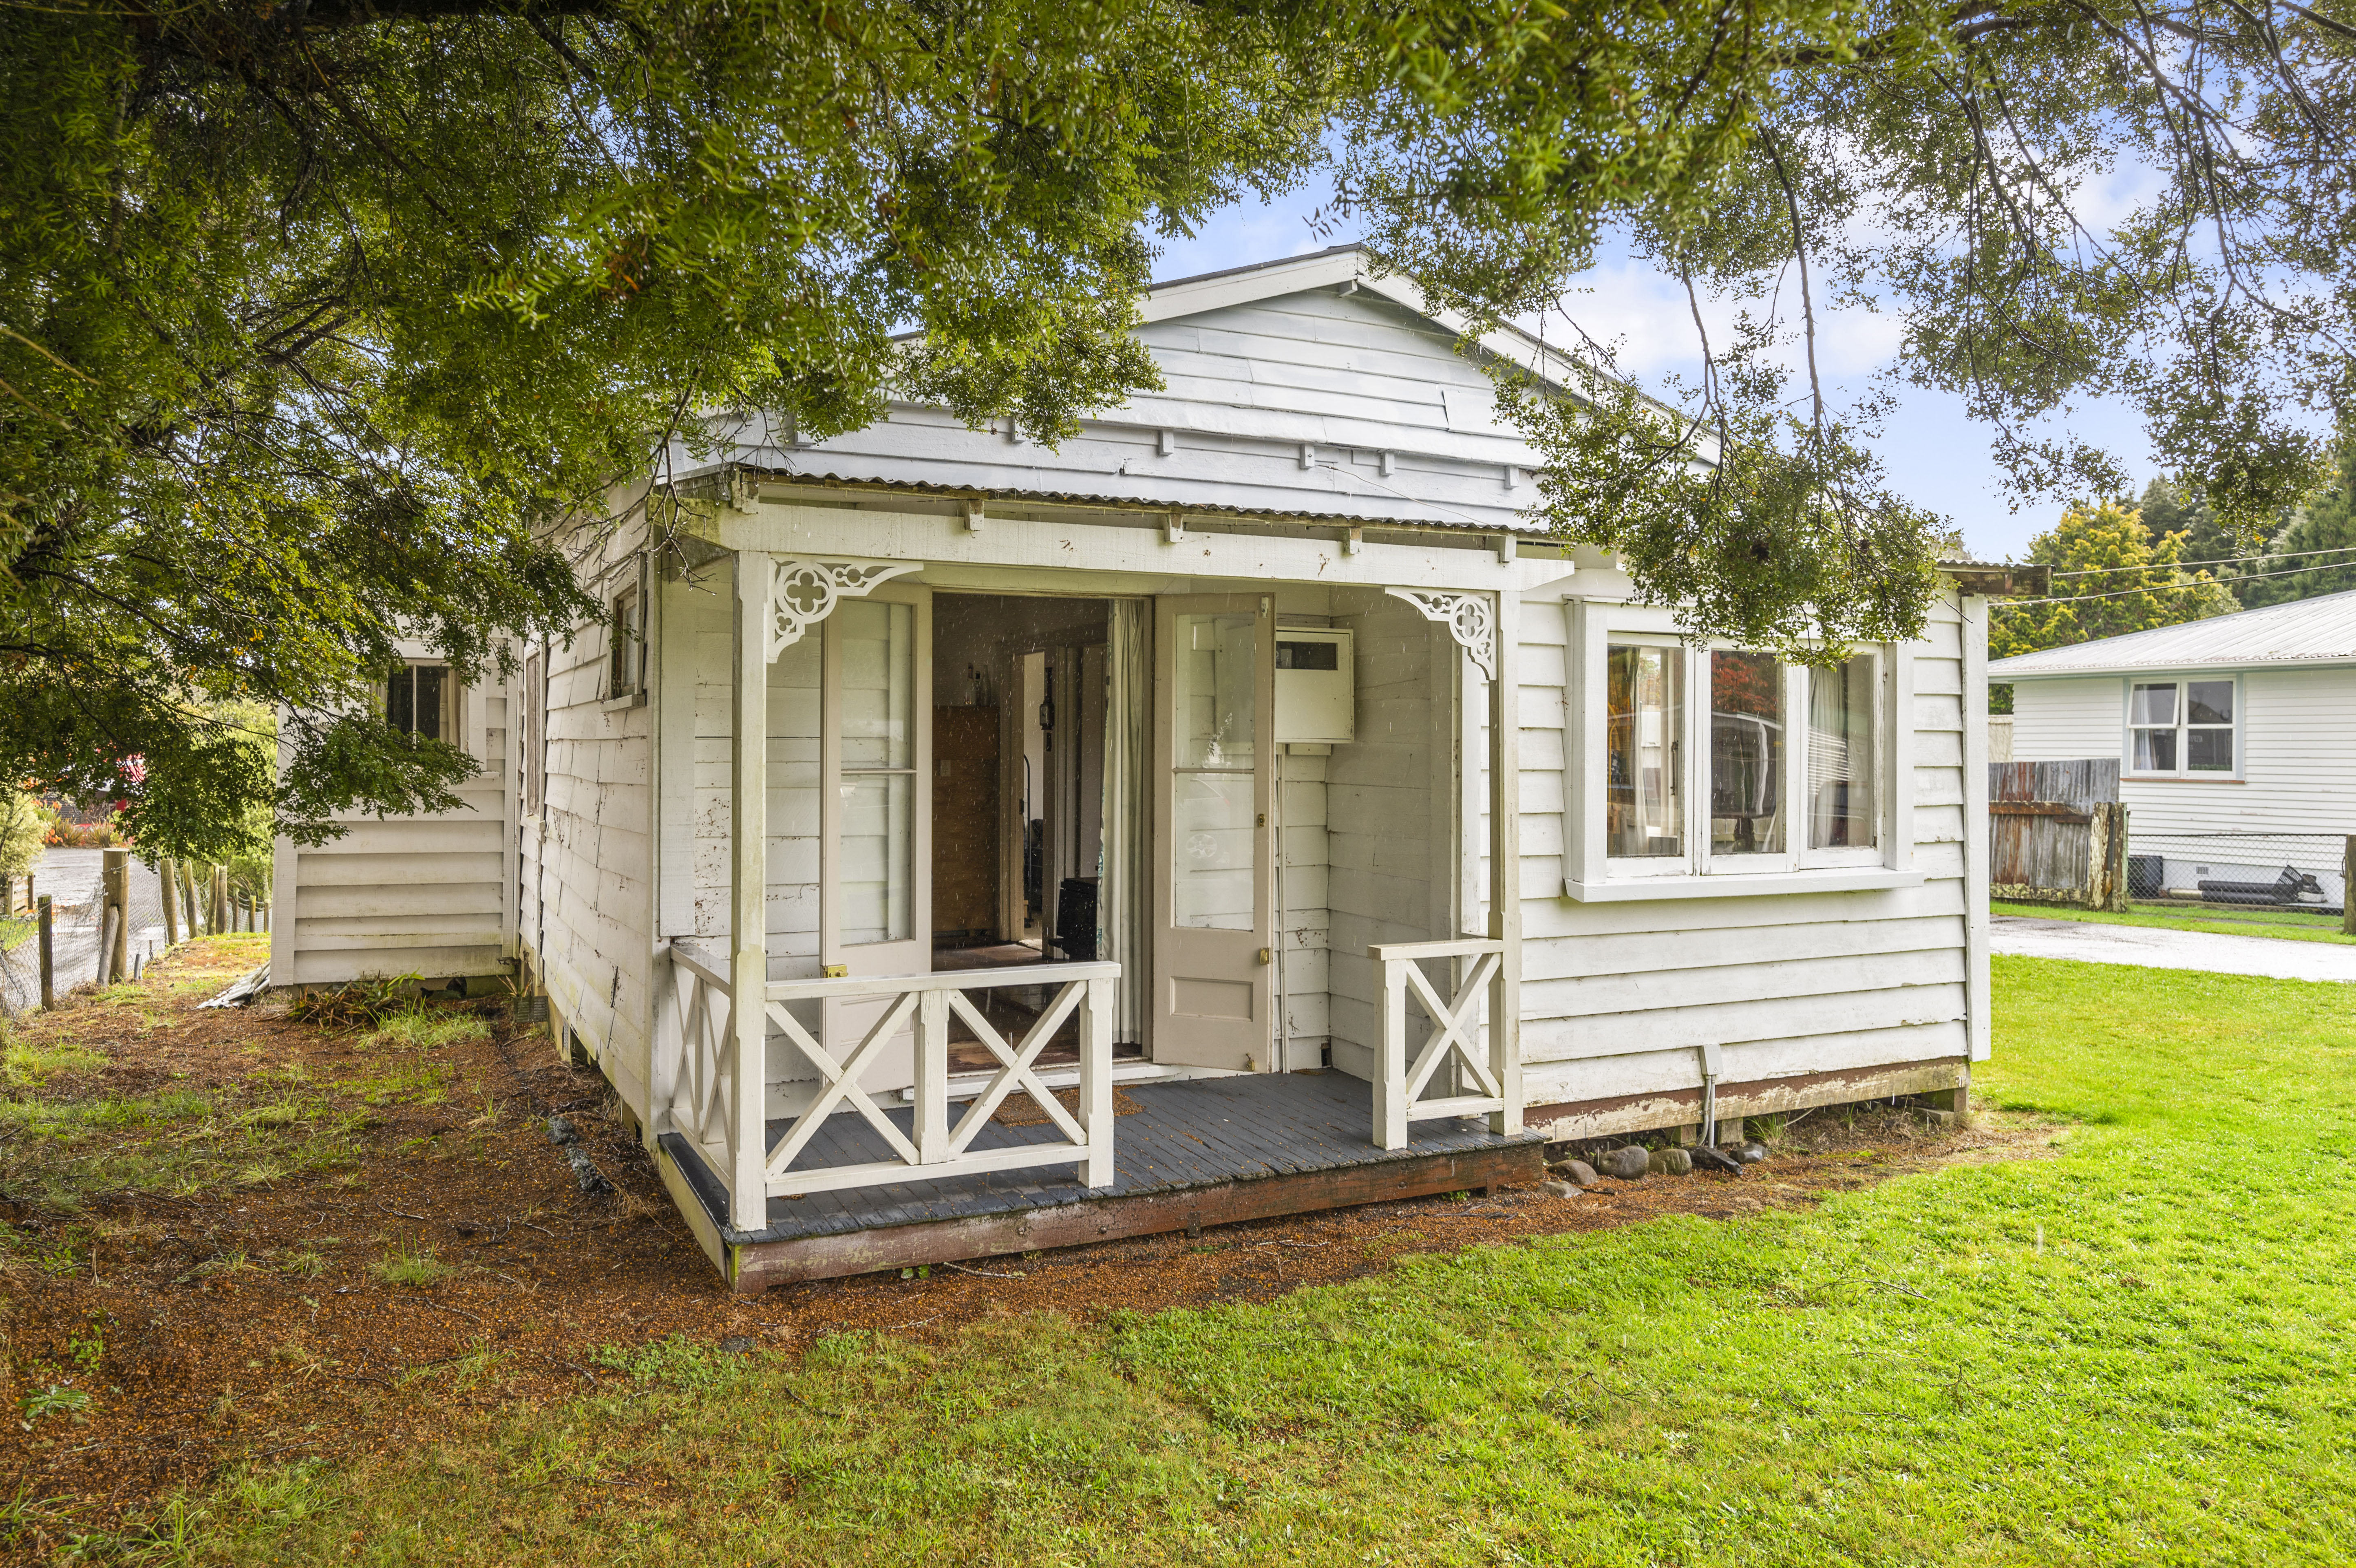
(2346, 876)
(116, 959)
(109, 927)
(48, 957)
(167, 882)
(188, 899)
(220, 898)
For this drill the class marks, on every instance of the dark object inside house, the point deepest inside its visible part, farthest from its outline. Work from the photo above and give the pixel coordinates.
(1076, 918)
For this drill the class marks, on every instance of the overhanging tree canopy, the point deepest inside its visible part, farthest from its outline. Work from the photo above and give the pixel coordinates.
(313, 317)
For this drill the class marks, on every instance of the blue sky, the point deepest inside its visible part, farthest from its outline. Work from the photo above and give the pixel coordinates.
(1935, 456)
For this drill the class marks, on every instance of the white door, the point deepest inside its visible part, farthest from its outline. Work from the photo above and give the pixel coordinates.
(1215, 734)
(875, 768)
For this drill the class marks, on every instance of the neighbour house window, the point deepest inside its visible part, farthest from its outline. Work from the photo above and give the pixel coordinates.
(1841, 761)
(1644, 751)
(2181, 726)
(417, 700)
(626, 658)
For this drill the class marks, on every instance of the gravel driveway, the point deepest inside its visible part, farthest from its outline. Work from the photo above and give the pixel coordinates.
(2153, 948)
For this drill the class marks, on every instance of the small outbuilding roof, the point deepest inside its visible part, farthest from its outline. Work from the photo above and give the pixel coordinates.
(2321, 630)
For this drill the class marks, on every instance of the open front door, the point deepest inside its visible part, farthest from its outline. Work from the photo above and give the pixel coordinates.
(1213, 739)
(874, 858)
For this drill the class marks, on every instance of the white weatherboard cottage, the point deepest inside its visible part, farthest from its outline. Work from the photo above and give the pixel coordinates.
(2238, 727)
(1159, 770)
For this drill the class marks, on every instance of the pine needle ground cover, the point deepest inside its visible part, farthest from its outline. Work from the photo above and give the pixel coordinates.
(2129, 1352)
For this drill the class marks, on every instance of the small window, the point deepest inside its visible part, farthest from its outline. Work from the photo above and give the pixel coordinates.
(1643, 789)
(1746, 754)
(535, 724)
(1841, 708)
(2180, 726)
(625, 660)
(416, 700)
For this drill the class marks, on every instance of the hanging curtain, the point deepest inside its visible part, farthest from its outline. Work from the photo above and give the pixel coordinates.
(1121, 902)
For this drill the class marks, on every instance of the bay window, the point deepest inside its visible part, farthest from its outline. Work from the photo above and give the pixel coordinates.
(1723, 770)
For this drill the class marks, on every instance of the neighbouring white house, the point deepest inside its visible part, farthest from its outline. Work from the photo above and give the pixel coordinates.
(2235, 738)
(952, 845)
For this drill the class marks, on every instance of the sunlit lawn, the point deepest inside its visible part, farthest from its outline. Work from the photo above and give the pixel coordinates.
(2134, 1352)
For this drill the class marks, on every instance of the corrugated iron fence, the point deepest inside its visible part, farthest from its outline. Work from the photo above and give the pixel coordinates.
(2056, 833)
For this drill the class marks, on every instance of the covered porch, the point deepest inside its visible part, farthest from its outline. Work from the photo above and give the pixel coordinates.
(1212, 1037)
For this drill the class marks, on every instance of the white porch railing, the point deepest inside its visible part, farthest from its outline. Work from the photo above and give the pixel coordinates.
(697, 1086)
(1452, 1053)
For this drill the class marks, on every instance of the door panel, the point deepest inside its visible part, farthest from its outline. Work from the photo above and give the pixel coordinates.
(875, 845)
(1214, 667)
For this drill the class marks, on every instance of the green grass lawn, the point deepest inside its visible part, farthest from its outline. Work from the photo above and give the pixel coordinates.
(2254, 922)
(2131, 1352)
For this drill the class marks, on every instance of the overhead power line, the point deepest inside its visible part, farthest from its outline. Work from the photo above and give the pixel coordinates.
(2154, 588)
(2222, 561)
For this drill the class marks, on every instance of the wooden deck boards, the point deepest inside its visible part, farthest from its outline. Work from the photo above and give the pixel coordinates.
(1201, 1152)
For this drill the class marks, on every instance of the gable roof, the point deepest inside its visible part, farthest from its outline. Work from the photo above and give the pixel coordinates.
(1348, 267)
(2321, 630)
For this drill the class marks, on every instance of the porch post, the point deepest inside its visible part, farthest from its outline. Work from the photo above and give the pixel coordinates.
(748, 882)
(1504, 862)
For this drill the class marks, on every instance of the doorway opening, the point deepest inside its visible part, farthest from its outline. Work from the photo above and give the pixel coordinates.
(1022, 695)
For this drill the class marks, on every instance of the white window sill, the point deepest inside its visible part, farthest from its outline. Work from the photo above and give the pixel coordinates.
(635, 700)
(1830, 879)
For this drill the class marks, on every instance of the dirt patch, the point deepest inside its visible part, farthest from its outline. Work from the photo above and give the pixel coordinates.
(256, 1238)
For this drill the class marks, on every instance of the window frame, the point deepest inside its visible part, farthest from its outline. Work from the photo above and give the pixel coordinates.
(2183, 682)
(1640, 867)
(1592, 873)
(626, 640)
(450, 710)
(1885, 704)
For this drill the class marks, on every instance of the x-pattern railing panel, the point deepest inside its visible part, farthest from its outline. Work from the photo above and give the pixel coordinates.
(698, 1080)
(1456, 1041)
(1014, 1071)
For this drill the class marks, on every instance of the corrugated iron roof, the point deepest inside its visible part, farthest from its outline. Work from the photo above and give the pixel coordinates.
(2321, 630)
(1429, 513)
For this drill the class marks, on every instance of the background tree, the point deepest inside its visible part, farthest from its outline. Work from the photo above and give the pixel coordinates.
(2110, 575)
(314, 319)
(2328, 523)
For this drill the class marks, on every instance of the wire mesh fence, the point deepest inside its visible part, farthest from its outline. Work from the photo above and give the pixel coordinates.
(74, 882)
(2247, 870)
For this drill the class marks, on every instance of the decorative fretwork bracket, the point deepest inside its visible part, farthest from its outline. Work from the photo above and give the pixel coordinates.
(1471, 619)
(803, 592)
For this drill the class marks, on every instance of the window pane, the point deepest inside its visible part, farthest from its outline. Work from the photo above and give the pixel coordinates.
(1746, 754)
(1216, 694)
(1840, 754)
(1643, 790)
(878, 663)
(1212, 848)
(876, 841)
(2209, 703)
(2152, 705)
(400, 699)
(2154, 751)
(431, 681)
(2208, 750)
